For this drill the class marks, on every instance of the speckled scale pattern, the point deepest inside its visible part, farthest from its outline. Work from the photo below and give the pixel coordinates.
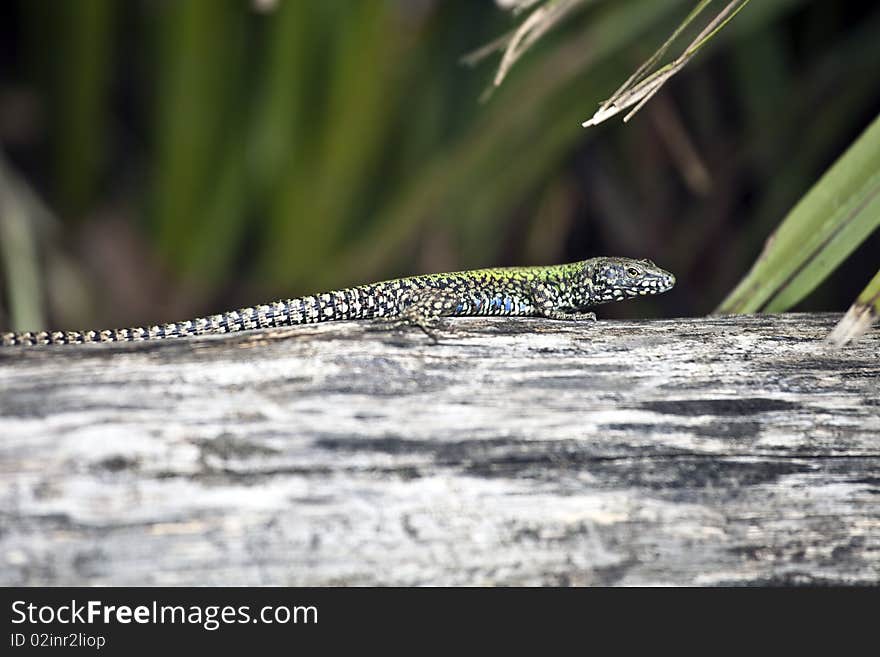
(557, 291)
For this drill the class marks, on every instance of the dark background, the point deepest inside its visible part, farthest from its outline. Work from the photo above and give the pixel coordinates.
(170, 159)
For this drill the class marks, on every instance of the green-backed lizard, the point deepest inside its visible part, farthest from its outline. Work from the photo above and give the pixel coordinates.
(562, 292)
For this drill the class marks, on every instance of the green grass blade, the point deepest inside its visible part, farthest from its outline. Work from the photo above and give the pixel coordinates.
(19, 251)
(322, 192)
(860, 316)
(828, 224)
(199, 48)
(85, 46)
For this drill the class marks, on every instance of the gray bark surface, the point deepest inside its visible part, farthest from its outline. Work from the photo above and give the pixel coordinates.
(733, 450)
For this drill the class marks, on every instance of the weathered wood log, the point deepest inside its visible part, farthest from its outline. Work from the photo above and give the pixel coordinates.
(736, 450)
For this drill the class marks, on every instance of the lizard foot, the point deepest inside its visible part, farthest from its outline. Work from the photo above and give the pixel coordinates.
(569, 317)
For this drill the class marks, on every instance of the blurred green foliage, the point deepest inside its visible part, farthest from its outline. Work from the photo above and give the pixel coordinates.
(202, 154)
(826, 225)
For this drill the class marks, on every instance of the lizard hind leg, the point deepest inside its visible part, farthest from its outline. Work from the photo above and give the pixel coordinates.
(424, 308)
(546, 303)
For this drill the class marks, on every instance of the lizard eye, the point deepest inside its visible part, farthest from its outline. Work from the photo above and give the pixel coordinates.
(632, 272)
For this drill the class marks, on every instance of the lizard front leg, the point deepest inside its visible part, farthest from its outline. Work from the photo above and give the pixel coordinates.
(546, 302)
(570, 317)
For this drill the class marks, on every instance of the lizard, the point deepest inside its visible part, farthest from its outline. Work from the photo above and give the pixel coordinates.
(559, 292)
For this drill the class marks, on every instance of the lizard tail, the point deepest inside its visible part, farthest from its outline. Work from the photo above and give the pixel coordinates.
(280, 313)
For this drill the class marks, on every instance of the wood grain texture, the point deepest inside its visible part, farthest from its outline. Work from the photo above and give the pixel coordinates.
(697, 451)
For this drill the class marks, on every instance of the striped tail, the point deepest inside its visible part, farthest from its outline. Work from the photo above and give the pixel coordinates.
(280, 313)
(362, 302)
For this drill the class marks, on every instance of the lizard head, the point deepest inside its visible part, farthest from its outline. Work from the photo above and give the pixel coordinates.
(616, 279)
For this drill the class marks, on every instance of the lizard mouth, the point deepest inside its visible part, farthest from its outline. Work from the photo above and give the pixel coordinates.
(652, 285)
